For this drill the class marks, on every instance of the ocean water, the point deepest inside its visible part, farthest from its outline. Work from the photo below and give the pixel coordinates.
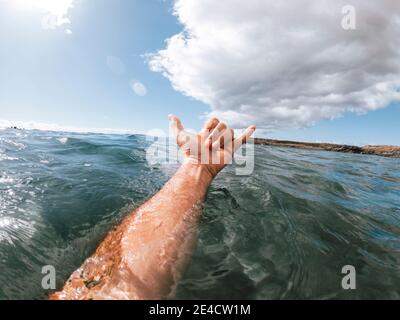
(284, 232)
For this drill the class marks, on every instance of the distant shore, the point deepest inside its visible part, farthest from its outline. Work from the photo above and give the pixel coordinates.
(379, 150)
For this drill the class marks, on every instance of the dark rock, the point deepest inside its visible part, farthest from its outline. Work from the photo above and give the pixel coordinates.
(386, 151)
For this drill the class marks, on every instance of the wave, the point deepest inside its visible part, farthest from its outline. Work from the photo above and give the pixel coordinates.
(283, 232)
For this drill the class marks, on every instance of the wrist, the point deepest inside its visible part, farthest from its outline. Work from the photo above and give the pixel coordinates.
(198, 172)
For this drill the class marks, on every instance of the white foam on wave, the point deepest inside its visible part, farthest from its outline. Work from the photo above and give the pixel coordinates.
(62, 140)
(6, 157)
(19, 214)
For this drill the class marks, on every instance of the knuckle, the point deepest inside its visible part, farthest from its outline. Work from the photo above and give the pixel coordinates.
(212, 123)
(222, 126)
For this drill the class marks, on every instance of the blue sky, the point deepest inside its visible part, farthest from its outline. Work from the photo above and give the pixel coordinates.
(50, 76)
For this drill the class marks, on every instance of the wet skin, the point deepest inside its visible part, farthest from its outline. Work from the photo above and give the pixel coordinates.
(145, 255)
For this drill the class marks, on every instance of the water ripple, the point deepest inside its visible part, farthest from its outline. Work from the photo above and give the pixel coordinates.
(283, 232)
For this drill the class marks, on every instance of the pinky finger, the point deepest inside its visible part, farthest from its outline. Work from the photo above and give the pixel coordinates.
(243, 138)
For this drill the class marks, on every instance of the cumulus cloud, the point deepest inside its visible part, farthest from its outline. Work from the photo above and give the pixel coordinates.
(284, 64)
(55, 12)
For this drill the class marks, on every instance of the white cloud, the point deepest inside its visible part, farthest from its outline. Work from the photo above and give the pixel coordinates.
(32, 125)
(55, 12)
(139, 88)
(284, 63)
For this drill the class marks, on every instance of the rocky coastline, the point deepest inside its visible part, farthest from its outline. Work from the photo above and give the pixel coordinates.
(379, 150)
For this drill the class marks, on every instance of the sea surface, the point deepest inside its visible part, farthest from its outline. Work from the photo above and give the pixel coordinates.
(283, 232)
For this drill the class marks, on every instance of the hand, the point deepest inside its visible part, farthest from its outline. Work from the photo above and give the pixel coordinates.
(213, 147)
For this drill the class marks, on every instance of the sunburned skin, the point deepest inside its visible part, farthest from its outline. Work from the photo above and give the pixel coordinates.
(146, 254)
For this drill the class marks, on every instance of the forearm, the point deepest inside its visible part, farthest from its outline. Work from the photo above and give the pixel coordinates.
(161, 235)
(143, 257)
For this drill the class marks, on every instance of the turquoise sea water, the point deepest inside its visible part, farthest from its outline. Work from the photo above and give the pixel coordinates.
(284, 232)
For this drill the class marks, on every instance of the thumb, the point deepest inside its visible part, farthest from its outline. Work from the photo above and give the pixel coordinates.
(175, 125)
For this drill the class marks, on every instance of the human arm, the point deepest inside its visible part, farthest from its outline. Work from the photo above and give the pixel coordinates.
(145, 255)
